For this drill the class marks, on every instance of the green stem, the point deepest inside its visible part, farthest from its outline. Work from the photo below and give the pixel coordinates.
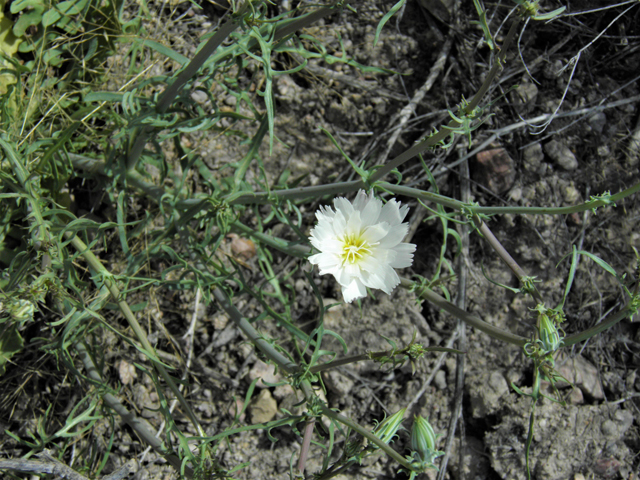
(300, 193)
(258, 340)
(308, 391)
(422, 195)
(39, 230)
(138, 425)
(372, 356)
(170, 93)
(595, 330)
(292, 25)
(294, 249)
(307, 193)
(340, 362)
(554, 210)
(207, 52)
(527, 451)
(436, 138)
(110, 283)
(291, 367)
(469, 319)
(505, 256)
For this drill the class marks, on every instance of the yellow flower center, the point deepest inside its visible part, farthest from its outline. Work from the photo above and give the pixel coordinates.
(355, 248)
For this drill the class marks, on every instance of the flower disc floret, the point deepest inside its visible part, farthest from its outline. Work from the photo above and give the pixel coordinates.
(360, 244)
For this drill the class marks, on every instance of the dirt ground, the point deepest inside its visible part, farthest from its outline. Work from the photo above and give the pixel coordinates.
(586, 150)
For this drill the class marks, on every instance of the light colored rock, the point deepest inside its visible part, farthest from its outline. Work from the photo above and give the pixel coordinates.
(524, 97)
(440, 380)
(263, 408)
(146, 401)
(338, 383)
(199, 96)
(532, 156)
(266, 373)
(597, 122)
(283, 391)
(615, 427)
(561, 155)
(581, 373)
(570, 194)
(127, 372)
(474, 463)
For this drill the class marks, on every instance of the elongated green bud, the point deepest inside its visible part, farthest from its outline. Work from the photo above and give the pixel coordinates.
(423, 442)
(388, 428)
(19, 309)
(550, 338)
(422, 435)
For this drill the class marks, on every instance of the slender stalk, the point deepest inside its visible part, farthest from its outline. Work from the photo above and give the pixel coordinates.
(369, 356)
(505, 256)
(291, 367)
(287, 27)
(365, 433)
(288, 366)
(192, 68)
(110, 283)
(158, 194)
(306, 443)
(422, 195)
(171, 92)
(436, 138)
(555, 210)
(131, 419)
(466, 317)
(595, 330)
(299, 193)
(294, 249)
(340, 362)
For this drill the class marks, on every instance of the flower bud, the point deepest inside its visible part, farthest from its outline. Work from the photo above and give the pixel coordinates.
(550, 339)
(423, 441)
(388, 428)
(21, 310)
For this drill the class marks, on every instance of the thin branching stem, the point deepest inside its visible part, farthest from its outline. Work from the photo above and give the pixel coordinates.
(466, 317)
(291, 367)
(505, 256)
(599, 328)
(110, 283)
(308, 391)
(138, 425)
(436, 138)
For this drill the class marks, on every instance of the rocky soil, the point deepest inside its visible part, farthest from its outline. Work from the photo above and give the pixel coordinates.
(590, 147)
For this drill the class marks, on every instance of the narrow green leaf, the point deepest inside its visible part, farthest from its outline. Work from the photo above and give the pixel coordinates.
(604, 265)
(10, 343)
(386, 18)
(166, 51)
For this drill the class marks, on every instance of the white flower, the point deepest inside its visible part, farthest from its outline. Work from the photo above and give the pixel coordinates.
(361, 243)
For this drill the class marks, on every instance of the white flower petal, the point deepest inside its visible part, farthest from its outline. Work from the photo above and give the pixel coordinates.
(362, 199)
(395, 236)
(354, 291)
(354, 225)
(371, 212)
(375, 233)
(393, 213)
(339, 224)
(360, 244)
(343, 206)
(404, 257)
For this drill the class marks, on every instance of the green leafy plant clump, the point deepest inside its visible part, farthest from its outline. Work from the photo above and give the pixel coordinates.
(116, 211)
